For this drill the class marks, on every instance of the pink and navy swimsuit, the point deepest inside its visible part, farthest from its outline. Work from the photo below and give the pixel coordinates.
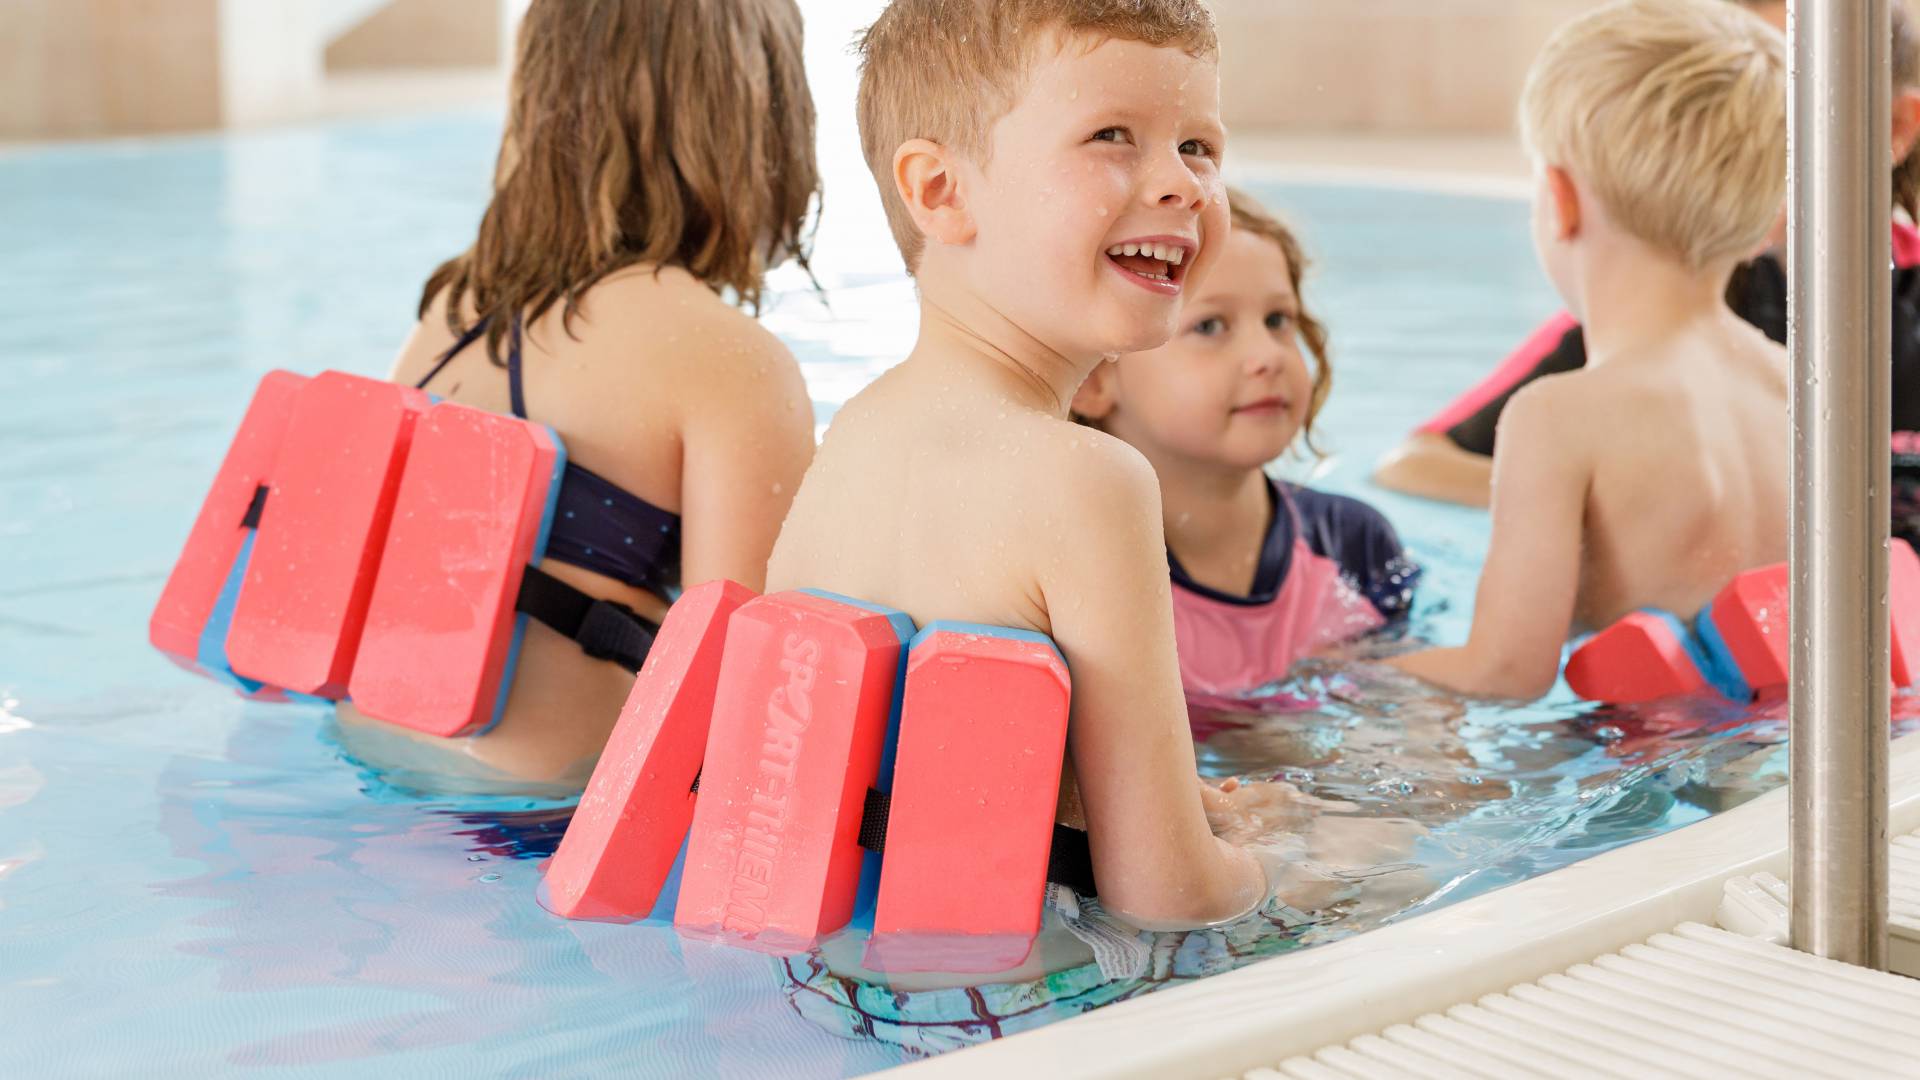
(1331, 569)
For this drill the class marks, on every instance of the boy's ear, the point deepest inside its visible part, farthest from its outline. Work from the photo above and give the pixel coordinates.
(927, 180)
(1563, 197)
(1097, 396)
(1906, 123)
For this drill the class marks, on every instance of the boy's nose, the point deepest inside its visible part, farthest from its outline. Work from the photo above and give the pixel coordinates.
(1176, 186)
(1184, 192)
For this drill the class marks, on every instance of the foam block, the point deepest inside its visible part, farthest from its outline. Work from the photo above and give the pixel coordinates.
(806, 690)
(299, 615)
(631, 825)
(1750, 617)
(1642, 657)
(1903, 606)
(474, 506)
(218, 543)
(983, 731)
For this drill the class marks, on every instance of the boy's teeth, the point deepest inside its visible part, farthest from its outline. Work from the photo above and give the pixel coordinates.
(1166, 253)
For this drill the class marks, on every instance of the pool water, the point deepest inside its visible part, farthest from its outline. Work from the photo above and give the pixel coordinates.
(195, 885)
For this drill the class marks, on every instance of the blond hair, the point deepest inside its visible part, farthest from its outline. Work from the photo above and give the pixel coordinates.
(1673, 113)
(1252, 218)
(667, 132)
(947, 70)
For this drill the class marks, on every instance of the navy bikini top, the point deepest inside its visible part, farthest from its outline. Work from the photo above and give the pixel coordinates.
(597, 524)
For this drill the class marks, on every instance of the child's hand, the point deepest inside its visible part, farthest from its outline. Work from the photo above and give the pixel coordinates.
(1244, 811)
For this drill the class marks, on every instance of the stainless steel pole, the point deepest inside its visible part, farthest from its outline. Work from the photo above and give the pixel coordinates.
(1839, 331)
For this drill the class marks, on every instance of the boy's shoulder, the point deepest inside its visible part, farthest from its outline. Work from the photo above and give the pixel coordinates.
(1094, 478)
(1568, 401)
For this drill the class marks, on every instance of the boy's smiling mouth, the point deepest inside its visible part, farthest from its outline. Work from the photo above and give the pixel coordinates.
(1155, 263)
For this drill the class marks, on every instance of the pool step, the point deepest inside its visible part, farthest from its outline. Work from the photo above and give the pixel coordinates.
(1757, 907)
(1700, 1001)
(1903, 912)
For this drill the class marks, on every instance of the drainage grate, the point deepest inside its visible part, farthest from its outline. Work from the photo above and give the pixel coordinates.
(1903, 914)
(1697, 1002)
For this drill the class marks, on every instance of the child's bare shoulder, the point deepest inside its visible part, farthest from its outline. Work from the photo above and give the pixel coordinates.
(1567, 397)
(1094, 481)
(668, 325)
(1561, 413)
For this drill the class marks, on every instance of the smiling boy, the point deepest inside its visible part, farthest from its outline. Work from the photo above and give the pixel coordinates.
(1051, 174)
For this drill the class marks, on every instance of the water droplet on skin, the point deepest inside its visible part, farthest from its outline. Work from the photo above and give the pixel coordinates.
(488, 879)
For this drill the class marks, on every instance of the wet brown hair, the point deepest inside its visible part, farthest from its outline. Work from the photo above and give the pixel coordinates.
(1250, 217)
(1906, 76)
(947, 70)
(665, 132)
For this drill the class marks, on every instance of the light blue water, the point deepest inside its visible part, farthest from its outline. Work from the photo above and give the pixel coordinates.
(192, 885)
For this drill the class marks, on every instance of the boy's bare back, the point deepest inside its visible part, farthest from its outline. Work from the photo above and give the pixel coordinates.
(1682, 455)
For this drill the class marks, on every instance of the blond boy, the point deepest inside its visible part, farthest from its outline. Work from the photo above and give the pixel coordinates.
(1051, 174)
(1656, 473)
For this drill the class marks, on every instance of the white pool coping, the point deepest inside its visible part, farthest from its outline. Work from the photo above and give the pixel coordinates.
(1228, 1024)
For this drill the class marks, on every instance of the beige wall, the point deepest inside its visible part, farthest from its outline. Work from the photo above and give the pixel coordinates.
(423, 33)
(99, 67)
(81, 68)
(1429, 66)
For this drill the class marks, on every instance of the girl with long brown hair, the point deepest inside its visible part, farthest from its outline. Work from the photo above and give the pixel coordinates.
(658, 159)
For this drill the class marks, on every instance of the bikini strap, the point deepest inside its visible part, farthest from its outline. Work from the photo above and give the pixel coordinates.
(513, 372)
(472, 335)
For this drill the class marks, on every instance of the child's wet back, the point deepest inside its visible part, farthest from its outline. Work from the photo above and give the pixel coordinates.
(955, 487)
(1654, 474)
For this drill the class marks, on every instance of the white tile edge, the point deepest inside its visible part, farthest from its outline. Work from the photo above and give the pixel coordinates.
(1295, 1004)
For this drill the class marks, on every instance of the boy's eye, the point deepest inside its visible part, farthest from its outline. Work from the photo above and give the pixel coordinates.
(1210, 326)
(1111, 134)
(1196, 148)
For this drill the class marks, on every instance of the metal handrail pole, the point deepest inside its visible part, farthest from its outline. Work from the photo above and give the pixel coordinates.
(1839, 333)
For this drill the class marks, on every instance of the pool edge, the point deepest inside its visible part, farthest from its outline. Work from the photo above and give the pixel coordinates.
(1294, 1004)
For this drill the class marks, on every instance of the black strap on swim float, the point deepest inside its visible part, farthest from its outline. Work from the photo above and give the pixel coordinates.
(604, 629)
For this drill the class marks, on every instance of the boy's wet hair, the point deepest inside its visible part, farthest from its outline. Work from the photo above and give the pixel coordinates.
(662, 132)
(947, 70)
(1673, 113)
(1250, 217)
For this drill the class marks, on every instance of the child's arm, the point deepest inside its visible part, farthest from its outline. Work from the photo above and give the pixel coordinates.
(1108, 599)
(1429, 465)
(1525, 602)
(747, 434)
